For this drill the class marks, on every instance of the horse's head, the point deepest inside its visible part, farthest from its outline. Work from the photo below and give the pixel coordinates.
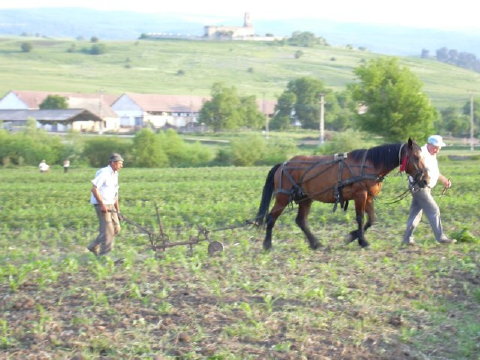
(412, 162)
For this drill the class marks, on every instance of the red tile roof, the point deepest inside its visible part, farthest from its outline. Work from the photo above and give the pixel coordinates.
(33, 99)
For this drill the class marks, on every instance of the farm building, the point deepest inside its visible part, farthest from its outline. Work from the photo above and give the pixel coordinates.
(53, 120)
(177, 111)
(97, 104)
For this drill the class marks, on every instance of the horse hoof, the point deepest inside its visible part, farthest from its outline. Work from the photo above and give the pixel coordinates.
(365, 245)
(315, 246)
(348, 239)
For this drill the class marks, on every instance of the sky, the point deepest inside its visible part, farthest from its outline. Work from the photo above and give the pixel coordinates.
(437, 14)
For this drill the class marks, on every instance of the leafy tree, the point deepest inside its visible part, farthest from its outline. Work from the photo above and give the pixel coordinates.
(453, 122)
(306, 39)
(26, 46)
(251, 116)
(340, 110)
(283, 111)
(94, 39)
(221, 113)
(307, 92)
(54, 102)
(396, 107)
(476, 113)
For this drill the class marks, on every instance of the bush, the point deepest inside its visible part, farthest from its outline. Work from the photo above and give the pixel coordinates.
(29, 147)
(344, 142)
(466, 236)
(181, 154)
(278, 151)
(26, 47)
(248, 150)
(148, 151)
(97, 49)
(98, 150)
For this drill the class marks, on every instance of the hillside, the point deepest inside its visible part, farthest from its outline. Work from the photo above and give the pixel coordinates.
(123, 25)
(191, 67)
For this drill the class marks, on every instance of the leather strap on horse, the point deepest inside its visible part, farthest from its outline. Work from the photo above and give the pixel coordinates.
(297, 194)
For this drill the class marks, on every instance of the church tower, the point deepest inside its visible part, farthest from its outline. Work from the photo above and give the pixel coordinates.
(247, 22)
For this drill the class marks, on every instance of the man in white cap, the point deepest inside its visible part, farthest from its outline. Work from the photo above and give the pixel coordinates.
(422, 200)
(104, 197)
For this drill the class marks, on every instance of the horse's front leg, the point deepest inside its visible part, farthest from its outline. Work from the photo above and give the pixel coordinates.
(370, 210)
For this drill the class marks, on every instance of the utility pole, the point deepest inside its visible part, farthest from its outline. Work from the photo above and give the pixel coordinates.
(322, 118)
(266, 117)
(472, 146)
(100, 110)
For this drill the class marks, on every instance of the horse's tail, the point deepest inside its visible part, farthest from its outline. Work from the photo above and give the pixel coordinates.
(267, 194)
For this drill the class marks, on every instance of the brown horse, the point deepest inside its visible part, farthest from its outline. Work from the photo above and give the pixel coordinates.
(336, 179)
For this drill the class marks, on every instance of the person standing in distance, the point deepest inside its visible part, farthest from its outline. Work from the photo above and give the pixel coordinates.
(104, 197)
(422, 199)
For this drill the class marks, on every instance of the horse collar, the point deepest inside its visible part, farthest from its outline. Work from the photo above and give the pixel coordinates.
(403, 162)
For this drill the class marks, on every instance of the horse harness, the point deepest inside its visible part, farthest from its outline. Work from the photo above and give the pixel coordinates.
(296, 192)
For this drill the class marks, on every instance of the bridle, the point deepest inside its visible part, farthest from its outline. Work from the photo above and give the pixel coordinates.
(404, 161)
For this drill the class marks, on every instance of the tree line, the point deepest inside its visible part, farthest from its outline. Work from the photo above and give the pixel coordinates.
(391, 97)
(146, 149)
(462, 59)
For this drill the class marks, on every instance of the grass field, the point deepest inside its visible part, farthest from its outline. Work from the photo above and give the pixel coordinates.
(261, 69)
(59, 302)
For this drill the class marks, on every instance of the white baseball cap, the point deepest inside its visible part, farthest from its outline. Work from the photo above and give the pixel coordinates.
(436, 140)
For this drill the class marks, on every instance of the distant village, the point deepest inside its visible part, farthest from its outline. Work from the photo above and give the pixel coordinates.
(214, 32)
(101, 113)
(107, 113)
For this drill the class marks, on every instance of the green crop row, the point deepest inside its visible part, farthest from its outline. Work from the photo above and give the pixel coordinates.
(59, 301)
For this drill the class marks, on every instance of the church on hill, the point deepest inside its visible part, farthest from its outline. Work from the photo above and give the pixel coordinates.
(231, 32)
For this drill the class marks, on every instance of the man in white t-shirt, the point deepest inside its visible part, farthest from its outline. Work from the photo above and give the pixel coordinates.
(104, 197)
(422, 200)
(43, 166)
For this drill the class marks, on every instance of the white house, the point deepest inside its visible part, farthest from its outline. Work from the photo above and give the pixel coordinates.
(138, 110)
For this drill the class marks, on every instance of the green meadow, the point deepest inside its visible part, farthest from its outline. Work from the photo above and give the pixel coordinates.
(341, 302)
(191, 67)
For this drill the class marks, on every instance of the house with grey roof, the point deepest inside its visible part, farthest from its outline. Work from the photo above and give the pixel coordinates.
(98, 104)
(52, 120)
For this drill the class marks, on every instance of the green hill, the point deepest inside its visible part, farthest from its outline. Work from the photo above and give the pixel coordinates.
(191, 67)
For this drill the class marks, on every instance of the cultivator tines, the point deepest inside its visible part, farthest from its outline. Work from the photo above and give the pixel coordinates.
(160, 241)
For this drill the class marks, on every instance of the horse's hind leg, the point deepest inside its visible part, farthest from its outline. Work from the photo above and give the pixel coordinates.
(281, 201)
(301, 220)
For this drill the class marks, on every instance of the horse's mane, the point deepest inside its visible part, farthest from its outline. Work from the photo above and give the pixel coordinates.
(381, 156)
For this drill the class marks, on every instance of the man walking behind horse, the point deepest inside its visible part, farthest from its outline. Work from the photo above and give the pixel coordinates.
(422, 199)
(104, 197)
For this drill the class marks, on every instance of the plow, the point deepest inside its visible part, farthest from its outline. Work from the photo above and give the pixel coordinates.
(160, 240)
